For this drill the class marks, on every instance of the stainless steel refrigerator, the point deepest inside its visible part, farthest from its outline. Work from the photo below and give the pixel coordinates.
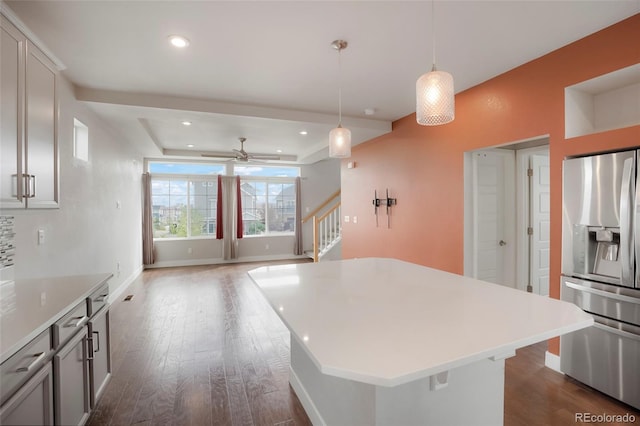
(601, 271)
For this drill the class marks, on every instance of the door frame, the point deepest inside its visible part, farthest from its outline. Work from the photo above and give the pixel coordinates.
(535, 144)
(523, 212)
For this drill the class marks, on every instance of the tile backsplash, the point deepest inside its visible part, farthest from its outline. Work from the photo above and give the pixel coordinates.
(7, 243)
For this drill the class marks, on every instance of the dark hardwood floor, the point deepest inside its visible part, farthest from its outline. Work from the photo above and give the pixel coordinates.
(200, 346)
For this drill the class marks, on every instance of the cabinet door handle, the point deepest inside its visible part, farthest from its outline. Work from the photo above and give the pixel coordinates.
(78, 322)
(98, 345)
(27, 187)
(101, 298)
(32, 181)
(39, 357)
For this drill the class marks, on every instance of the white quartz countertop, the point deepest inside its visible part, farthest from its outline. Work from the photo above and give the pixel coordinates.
(29, 306)
(387, 322)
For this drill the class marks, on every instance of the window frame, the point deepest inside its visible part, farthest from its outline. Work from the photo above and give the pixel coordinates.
(268, 180)
(188, 178)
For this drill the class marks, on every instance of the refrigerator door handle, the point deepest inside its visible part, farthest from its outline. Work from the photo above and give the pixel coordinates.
(617, 331)
(627, 213)
(608, 294)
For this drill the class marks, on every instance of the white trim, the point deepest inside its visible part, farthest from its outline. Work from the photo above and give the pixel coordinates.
(309, 407)
(115, 295)
(13, 18)
(221, 261)
(552, 361)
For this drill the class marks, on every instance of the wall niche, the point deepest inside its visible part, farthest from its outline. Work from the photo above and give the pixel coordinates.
(610, 101)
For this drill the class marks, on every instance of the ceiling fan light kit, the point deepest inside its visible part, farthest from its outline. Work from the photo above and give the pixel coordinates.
(339, 138)
(435, 96)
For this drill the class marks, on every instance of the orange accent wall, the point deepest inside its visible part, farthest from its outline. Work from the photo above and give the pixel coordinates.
(423, 166)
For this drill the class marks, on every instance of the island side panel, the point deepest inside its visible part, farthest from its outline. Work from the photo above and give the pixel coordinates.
(474, 395)
(329, 400)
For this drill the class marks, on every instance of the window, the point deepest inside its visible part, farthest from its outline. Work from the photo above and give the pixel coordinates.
(184, 198)
(268, 199)
(80, 140)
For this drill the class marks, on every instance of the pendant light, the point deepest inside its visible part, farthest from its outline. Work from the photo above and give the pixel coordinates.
(339, 138)
(435, 97)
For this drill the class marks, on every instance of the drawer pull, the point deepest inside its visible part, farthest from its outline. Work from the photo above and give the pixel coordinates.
(101, 298)
(39, 357)
(76, 322)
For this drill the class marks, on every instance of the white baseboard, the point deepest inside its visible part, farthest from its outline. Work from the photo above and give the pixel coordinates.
(220, 261)
(305, 399)
(115, 295)
(552, 361)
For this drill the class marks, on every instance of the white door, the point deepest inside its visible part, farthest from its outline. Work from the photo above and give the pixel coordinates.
(540, 224)
(493, 216)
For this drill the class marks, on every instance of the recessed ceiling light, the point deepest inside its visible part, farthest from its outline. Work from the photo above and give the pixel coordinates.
(278, 151)
(186, 123)
(190, 145)
(303, 132)
(369, 111)
(178, 41)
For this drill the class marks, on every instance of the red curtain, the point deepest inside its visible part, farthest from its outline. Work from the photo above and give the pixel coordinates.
(219, 232)
(240, 227)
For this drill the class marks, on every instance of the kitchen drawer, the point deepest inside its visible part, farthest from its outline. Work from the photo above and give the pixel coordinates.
(21, 366)
(98, 300)
(70, 324)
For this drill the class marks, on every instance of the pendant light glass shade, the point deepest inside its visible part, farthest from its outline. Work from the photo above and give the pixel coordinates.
(339, 138)
(435, 98)
(340, 142)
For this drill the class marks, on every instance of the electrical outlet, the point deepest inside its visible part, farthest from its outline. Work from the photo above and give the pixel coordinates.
(355, 219)
(189, 250)
(346, 219)
(40, 237)
(266, 247)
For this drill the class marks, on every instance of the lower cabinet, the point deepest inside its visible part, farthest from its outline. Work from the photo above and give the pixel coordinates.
(99, 354)
(72, 381)
(33, 403)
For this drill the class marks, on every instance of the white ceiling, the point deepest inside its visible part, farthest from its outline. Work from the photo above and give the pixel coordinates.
(265, 70)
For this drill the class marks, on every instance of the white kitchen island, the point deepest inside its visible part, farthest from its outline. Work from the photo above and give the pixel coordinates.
(386, 342)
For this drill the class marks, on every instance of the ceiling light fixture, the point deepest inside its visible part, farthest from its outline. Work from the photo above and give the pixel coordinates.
(178, 41)
(435, 97)
(303, 132)
(190, 145)
(186, 123)
(339, 138)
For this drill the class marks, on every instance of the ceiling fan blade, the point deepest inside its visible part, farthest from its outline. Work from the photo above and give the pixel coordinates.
(264, 157)
(217, 155)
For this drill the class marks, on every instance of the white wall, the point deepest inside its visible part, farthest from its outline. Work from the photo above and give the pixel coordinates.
(319, 181)
(87, 234)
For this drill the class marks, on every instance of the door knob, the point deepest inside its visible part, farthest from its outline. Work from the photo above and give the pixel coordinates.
(502, 243)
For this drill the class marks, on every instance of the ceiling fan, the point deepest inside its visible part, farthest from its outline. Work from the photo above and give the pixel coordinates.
(242, 155)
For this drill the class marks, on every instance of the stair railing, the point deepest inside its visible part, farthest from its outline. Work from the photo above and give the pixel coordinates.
(327, 228)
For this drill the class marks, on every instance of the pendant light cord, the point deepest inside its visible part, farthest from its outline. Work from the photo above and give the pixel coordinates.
(433, 34)
(339, 88)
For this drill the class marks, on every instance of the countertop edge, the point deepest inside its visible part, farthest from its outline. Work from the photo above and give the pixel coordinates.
(13, 349)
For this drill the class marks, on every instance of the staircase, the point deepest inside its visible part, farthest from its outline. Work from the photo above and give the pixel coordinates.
(327, 228)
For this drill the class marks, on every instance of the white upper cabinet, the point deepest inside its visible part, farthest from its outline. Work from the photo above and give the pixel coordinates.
(28, 145)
